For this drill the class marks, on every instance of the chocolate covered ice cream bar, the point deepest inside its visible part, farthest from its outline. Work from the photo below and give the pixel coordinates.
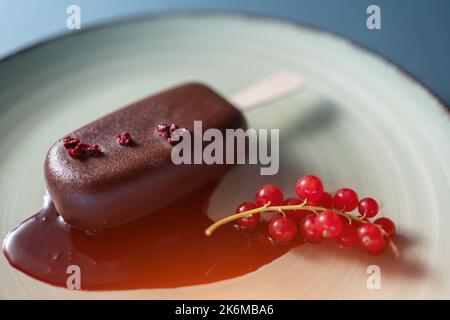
(129, 176)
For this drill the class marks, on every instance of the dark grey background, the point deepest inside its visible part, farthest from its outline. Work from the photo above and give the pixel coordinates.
(415, 33)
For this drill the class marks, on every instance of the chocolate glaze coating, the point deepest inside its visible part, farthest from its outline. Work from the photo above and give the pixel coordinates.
(128, 182)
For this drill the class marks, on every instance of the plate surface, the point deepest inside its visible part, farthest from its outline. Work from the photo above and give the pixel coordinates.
(360, 123)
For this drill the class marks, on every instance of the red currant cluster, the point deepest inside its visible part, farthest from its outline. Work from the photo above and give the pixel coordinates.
(315, 215)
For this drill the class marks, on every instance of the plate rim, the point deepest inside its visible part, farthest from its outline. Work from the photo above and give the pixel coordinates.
(238, 15)
(241, 14)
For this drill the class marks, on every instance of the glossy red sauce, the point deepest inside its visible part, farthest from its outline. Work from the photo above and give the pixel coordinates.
(166, 249)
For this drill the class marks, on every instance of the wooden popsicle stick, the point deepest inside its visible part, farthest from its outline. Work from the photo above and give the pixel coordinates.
(275, 86)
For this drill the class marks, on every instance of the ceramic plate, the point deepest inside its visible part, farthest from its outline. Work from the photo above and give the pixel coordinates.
(360, 122)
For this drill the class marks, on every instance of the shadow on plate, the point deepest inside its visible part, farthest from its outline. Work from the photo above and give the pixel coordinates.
(403, 266)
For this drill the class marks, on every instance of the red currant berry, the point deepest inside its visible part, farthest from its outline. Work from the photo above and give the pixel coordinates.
(309, 187)
(345, 220)
(357, 223)
(251, 221)
(328, 224)
(387, 225)
(325, 201)
(368, 207)
(371, 238)
(345, 200)
(293, 201)
(308, 229)
(297, 215)
(269, 193)
(283, 229)
(348, 237)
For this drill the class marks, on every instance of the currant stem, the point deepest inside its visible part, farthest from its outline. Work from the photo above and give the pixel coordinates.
(268, 208)
(391, 243)
(350, 217)
(264, 208)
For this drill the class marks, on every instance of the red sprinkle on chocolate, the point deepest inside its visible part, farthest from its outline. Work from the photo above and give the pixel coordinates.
(84, 149)
(168, 131)
(124, 139)
(162, 130)
(173, 127)
(93, 150)
(70, 142)
(77, 152)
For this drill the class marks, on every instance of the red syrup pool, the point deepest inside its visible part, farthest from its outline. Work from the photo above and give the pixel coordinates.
(165, 249)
